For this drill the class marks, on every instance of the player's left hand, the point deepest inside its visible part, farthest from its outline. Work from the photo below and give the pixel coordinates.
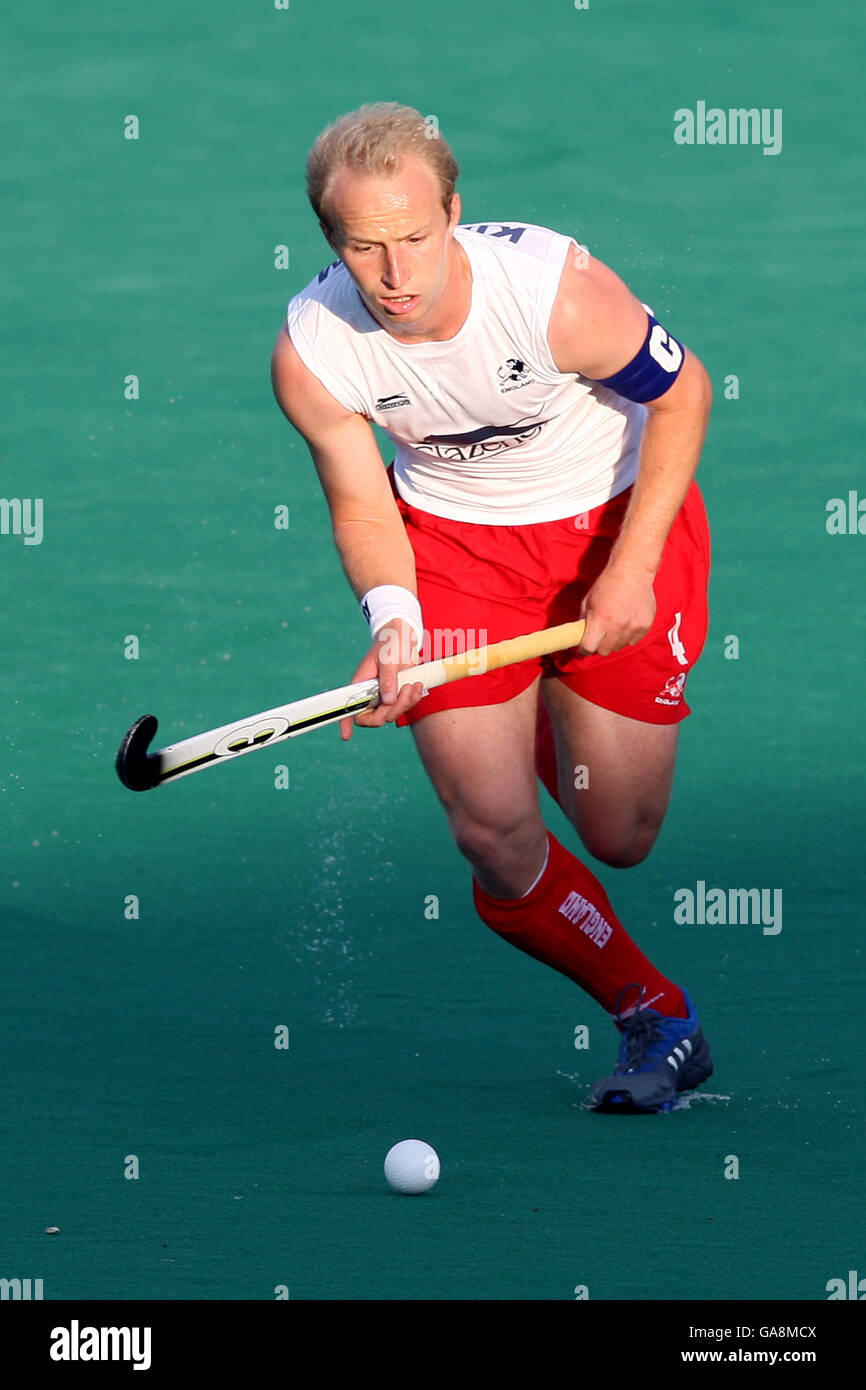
(619, 610)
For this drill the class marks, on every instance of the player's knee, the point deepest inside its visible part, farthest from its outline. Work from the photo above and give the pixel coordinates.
(621, 847)
(488, 843)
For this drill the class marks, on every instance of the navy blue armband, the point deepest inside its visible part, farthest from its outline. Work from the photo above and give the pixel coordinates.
(653, 371)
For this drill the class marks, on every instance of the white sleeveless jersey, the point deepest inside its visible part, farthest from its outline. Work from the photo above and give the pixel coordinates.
(485, 428)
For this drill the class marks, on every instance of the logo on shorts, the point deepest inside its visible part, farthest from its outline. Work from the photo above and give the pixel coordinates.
(677, 648)
(672, 693)
(392, 402)
(514, 374)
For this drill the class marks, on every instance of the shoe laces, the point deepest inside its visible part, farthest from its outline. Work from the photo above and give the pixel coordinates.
(640, 1031)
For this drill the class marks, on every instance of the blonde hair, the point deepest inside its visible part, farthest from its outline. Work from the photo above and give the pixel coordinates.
(375, 139)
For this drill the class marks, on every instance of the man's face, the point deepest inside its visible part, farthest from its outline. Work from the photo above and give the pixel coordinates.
(394, 237)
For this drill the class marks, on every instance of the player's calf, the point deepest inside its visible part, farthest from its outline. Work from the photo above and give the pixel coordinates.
(616, 809)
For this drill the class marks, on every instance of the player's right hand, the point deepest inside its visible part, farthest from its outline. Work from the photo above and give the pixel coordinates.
(394, 650)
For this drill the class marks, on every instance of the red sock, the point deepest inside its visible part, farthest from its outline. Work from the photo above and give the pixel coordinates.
(567, 922)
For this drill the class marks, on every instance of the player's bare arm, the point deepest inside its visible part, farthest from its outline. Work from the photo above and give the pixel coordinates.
(369, 534)
(597, 327)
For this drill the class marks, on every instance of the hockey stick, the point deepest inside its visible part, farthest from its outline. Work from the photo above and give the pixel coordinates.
(140, 770)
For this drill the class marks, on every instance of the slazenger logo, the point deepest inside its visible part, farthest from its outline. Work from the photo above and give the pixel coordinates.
(489, 439)
(392, 402)
(673, 690)
(239, 740)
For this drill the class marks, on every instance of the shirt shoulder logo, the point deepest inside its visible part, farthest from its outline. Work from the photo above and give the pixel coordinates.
(512, 232)
(392, 402)
(323, 274)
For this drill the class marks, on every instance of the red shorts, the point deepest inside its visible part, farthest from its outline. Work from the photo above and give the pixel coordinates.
(485, 583)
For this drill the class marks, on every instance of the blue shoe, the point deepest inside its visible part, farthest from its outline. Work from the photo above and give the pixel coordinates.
(658, 1057)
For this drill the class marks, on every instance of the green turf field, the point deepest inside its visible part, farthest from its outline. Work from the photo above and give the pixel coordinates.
(305, 907)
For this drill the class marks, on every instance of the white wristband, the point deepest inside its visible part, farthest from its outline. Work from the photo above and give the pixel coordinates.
(389, 601)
